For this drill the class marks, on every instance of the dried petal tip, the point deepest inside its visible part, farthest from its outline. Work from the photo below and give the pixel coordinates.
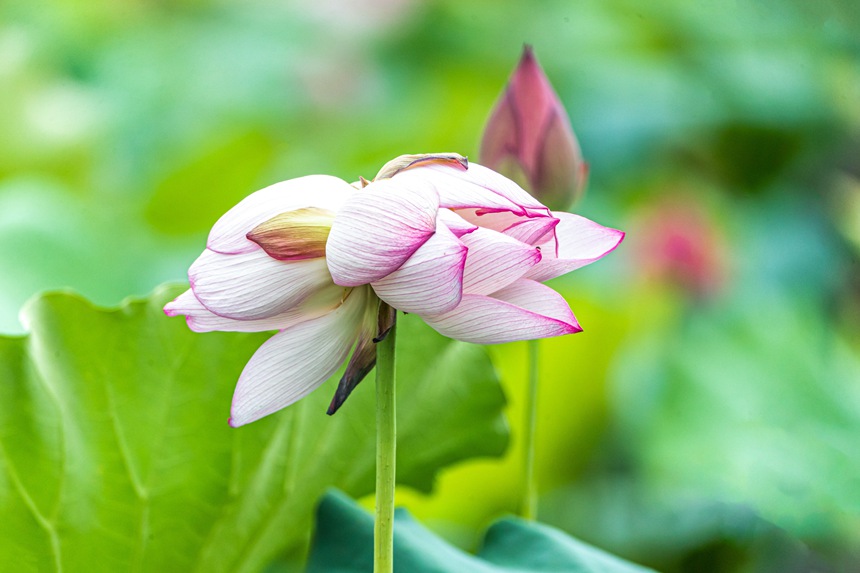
(362, 362)
(405, 162)
(385, 320)
(528, 138)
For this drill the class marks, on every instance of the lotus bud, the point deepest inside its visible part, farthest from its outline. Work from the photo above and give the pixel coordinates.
(528, 138)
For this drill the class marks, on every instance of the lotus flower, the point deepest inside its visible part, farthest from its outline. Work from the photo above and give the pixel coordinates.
(528, 138)
(325, 262)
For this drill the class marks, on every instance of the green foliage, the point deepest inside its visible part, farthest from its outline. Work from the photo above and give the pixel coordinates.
(127, 128)
(736, 434)
(117, 456)
(343, 543)
(794, 396)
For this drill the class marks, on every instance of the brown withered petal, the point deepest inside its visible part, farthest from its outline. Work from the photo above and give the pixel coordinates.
(294, 235)
(362, 362)
(385, 320)
(404, 162)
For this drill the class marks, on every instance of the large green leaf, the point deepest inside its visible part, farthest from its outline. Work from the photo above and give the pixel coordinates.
(115, 453)
(344, 544)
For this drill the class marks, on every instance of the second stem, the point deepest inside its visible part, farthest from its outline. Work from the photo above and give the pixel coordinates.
(529, 501)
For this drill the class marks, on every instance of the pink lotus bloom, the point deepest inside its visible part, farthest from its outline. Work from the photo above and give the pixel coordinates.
(528, 138)
(322, 262)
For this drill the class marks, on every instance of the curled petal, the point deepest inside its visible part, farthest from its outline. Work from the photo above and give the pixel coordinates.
(323, 191)
(404, 162)
(522, 311)
(431, 280)
(580, 242)
(294, 362)
(476, 188)
(201, 319)
(252, 286)
(378, 228)
(294, 235)
(495, 261)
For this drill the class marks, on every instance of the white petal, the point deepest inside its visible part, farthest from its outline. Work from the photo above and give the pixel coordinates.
(431, 280)
(323, 191)
(475, 188)
(523, 311)
(580, 242)
(252, 286)
(201, 319)
(495, 260)
(378, 228)
(294, 362)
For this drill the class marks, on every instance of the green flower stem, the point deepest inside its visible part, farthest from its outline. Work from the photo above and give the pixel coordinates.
(386, 439)
(529, 501)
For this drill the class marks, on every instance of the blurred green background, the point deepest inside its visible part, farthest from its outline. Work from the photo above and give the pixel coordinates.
(708, 419)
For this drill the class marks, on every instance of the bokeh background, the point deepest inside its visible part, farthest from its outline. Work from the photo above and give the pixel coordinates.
(708, 419)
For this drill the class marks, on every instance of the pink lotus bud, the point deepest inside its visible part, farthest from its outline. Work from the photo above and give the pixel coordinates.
(528, 138)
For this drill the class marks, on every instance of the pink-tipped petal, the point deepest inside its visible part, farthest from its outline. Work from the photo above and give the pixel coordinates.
(322, 191)
(457, 224)
(431, 280)
(495, 261)
(183, 305)
(534, 231)
(378, 228)
(475, 188)
(294, 362)
(523, 311)
(201, 319)
(497, 221)
(540, 299)
(252, 286)
(580, 242)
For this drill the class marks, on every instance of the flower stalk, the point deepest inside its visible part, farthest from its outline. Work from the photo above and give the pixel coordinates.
(528, 509)
(386, 450)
